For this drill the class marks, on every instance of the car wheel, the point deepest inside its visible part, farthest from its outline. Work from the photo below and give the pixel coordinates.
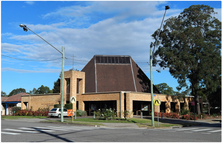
(59, 116)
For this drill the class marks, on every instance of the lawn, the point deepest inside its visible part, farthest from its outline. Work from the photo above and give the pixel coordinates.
(147, 123)
(18, 117)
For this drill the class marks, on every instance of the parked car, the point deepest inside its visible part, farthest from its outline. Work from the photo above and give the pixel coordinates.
(56, 112)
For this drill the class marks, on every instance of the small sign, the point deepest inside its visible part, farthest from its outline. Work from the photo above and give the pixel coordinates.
(192, 103)
(69, 112)
(72, 99)
(157, 102)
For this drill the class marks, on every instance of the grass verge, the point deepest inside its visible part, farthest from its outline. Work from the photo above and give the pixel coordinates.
(19, 117)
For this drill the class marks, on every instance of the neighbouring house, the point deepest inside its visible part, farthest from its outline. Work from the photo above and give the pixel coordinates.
(11, 101)
(110, 81)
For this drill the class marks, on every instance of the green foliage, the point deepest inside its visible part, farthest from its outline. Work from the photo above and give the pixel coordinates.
(43, 109)
(31, 113)
(201, 115)
(68, 106)
(15, 109)
(215, 98)
(81, 113)
(3, 93)
(190, 45)
(165, 89)
(33, 91)
(57, 105)
(105, 114)
(184, 112)
(56, 88)
(16, 91)
(43, 89)
(126, 113)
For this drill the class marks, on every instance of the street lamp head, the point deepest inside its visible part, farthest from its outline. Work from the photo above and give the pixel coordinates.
(167, 7)
(24, 27)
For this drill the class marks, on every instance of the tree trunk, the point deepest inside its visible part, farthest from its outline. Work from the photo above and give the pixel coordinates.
(198, 105)
(208, 106)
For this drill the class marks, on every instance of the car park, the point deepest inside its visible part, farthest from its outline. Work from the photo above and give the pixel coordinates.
(56, 112)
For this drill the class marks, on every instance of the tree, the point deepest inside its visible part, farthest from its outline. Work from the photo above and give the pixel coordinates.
(165, 89)
(3, 93)
(33, 91)
(43, 90)
(189, 45)
(56, 88)
(16, 91)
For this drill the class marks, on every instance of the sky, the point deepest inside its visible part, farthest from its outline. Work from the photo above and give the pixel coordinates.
(85, 29)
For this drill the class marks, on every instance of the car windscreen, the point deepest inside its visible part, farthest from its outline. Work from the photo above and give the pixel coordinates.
(54, 109)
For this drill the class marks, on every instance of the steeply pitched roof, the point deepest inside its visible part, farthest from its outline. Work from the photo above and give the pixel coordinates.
(13, 98)
(115, 73)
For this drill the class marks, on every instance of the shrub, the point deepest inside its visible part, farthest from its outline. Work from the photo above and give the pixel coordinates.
(199, 116)
(57, 105)
(187, 117)
(168, 115)
(108, 113)
(15, 109)
(184, 112)
(175, 115)
(68, 106)
(43, 109)
(193, 117)
(81, 113)
(30, 113)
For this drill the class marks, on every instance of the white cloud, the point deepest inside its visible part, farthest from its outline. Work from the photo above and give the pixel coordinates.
(32, 71)
(114, 35)
(30, 2)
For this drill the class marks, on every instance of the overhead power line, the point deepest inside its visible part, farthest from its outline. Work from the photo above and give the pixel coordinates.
(28, 59)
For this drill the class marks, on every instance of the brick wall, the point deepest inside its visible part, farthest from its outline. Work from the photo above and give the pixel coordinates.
(40, 101)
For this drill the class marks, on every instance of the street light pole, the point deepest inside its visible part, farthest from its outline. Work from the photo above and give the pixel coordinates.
(151, 66)
(25, 28)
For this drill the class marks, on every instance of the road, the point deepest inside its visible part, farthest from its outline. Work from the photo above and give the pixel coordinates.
(20, 131)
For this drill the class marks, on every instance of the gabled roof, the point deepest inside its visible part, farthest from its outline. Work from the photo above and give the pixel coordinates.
(106, 73)
(13, 98)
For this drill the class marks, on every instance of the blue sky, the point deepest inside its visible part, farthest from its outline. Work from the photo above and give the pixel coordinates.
(85, 29)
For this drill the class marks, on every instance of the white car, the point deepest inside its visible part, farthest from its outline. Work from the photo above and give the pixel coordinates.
(56, 112)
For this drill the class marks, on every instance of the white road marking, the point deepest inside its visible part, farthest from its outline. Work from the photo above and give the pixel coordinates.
(200, 130)
(183, 129)
(15, 130)
(214, 131)
(10, 133)
(35, 129)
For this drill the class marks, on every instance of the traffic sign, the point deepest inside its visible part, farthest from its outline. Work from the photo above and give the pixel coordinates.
(69, 112)
(157, 102)
(72, 99)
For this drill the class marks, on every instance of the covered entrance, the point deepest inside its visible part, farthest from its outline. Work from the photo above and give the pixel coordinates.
(91, 106)
(142, 106)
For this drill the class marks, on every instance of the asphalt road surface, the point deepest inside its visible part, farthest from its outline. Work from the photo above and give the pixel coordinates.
(20, 131)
